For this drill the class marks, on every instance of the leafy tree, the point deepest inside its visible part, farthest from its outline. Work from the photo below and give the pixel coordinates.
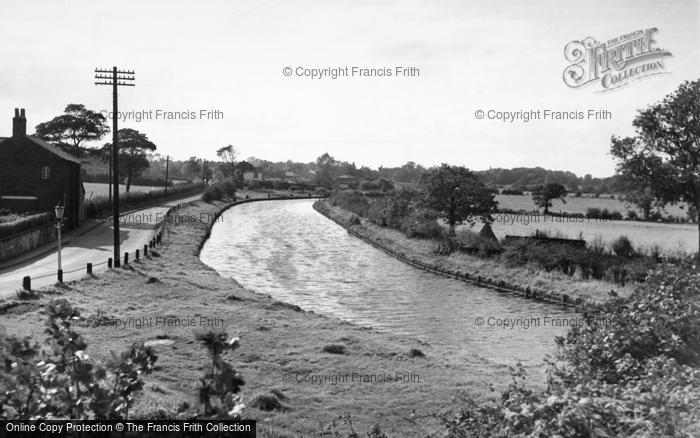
(192, 168)
(133, 149)
(543, 195)
(73, 128)
(326, 166)
(639, 172)
(409, 172)
(229, 154)
(457, 195)
(241, 168)
(668, 133)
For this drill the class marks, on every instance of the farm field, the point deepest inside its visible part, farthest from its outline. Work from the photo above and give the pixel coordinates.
(93, 190)
(579, 205)
(672, 239)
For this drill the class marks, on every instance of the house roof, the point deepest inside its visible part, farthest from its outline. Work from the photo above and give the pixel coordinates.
(53, 149)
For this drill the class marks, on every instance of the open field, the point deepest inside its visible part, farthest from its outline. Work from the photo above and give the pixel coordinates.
(580, 205)
(101, 189)
(672, 239)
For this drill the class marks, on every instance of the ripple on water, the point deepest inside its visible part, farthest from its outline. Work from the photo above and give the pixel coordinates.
(288, 250)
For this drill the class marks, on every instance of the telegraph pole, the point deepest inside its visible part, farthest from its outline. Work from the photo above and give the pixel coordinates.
(167, 162)
(115, 78)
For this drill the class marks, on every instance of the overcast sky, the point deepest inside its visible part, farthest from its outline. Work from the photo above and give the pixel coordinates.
(230, 56)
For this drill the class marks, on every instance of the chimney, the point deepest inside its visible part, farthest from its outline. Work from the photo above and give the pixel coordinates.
(19, 124)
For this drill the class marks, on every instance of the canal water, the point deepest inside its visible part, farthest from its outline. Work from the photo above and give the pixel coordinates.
(290, 251)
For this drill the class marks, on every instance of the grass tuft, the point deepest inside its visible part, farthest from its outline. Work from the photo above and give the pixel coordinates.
(334, 349)
(267, 402)
(414, 352)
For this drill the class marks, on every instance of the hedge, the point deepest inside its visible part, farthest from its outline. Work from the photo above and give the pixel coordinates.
(100, 206)
(25, 223)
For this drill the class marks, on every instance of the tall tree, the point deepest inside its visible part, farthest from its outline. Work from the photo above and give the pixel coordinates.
(229, 154)
(457, 195)
(669, 131)
(71, 130)
(133, 149)
(241, 168)
(325, 170)
(640, 172)
(544, 194)
(192, 168)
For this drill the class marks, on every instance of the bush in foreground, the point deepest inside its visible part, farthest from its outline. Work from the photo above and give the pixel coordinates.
(57, 380)
(631, 371)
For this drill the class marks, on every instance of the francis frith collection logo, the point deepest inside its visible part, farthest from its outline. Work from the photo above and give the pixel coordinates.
(614, 63)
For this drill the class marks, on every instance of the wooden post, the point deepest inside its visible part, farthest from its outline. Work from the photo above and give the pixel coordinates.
(145, 250)
(60, 275)
(89, 268)
(167, 163)
(109, 263)
(27, 283)
(136, 255)
(126, 258)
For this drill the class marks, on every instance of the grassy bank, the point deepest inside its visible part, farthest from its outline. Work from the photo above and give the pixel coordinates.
(521, 276)
(282, 347)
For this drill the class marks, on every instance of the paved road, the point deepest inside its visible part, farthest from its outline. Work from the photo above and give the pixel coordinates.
(95, 246)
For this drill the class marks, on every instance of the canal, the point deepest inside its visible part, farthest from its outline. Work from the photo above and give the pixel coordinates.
(288, 250)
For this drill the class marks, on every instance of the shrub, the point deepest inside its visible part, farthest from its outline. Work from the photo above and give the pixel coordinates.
(632, 370)
(58, 380)
(350, 200)
(622, 247)
(212, 193)
(228, 188)
(220, 382)
(471, 241)
(422, 223)
(379, 211)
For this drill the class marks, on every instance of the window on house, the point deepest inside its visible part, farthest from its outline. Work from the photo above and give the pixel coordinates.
(45, 172)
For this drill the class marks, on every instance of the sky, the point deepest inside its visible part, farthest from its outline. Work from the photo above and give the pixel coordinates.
(230, 57)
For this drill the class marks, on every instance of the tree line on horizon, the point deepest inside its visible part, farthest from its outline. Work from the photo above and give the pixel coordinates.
(658, 166)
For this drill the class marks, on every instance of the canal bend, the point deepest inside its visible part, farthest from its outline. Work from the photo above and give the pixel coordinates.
(289, 251)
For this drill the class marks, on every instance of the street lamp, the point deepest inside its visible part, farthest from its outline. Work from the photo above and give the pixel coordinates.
(59, 210)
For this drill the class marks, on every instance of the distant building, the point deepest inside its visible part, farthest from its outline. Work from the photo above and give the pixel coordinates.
(347, 180)
(35, 176)
(252, 176)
